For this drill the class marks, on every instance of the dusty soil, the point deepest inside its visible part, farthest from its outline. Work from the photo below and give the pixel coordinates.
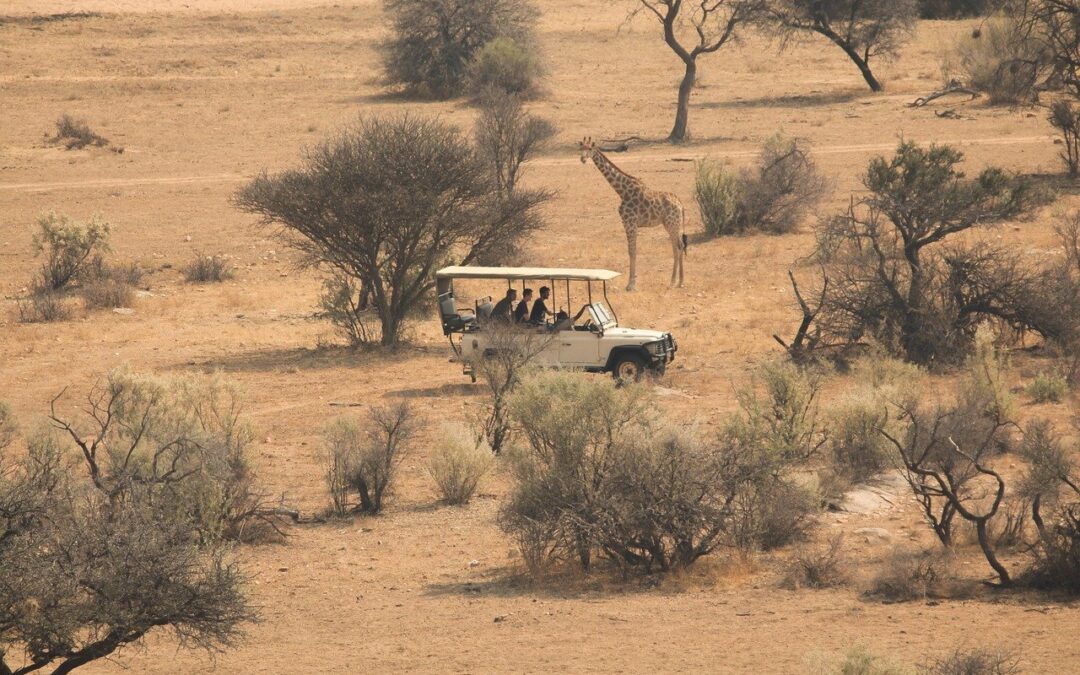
(205, 94)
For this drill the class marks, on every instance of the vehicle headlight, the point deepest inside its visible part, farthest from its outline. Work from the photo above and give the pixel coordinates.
(655, 348)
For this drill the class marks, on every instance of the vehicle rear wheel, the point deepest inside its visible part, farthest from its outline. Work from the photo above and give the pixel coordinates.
(628, 368)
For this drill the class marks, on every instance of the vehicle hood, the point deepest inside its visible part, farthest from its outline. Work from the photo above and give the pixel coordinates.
(633, 334)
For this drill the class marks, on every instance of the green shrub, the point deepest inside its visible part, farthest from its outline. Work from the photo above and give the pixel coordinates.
(503, 64)
(68, 246)
(771, 197)
(860, 661)
(458, 462)
(856, 449)
(1048, 388)
(718, 195)
(434, 42)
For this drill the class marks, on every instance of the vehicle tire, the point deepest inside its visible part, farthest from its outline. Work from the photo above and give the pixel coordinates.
(628, 368)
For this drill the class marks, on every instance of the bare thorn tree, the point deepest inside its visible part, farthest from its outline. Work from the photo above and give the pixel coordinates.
(943, 477)
(863, 29)
(93, 562)
(692, 29)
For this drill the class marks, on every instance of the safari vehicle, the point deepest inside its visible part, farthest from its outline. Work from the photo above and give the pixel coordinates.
(589, 339)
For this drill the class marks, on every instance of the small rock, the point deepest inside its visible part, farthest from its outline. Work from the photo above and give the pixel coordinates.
(126, 311)
(872, 533)
(501, 618)
(187, 238)
(283, 569)
(474, 563)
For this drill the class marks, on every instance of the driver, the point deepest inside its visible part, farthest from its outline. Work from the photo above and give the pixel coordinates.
(566, 323)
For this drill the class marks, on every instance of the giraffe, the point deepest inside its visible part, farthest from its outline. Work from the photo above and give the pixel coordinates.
(641, 207)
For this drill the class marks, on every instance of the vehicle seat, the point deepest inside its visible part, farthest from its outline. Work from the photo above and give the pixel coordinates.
(484, 309)
(452, 319)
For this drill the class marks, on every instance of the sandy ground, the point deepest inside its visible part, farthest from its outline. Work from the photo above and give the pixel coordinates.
(204, 94)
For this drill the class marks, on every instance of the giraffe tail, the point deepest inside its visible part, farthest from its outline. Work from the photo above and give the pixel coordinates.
(685, 243)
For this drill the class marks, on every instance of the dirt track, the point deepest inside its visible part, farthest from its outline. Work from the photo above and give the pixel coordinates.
(205, 95)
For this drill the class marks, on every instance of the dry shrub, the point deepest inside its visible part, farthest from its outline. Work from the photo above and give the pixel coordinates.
(458, 462)
(907, 575)
(208, 269)
(783, 188)
(1056, 555)
(503, 64)
(365, 455)
(505, 137)
(344, 304)
(997, 59)
(600, 477)
(773, 197)
(183, 436)
(43, 306)
(75, 134)
(107, 294)
(1065, 117)
(821, 567)
(976, 661)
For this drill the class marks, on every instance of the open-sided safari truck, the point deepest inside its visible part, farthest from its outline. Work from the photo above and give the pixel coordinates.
(589, 339)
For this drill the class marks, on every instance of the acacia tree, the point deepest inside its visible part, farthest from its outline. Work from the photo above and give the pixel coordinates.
(863, 29)
(891, 274)
(690, 30)
(388, 201)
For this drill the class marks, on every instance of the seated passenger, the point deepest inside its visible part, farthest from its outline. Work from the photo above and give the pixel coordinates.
(539, 314)
(504, 308)
(522, 310)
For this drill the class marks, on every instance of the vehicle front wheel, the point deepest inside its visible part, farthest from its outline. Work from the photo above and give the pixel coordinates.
(628, 368)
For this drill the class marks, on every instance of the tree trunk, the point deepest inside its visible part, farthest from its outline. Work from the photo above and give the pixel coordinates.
(682, 112)
(988, 551)
(391, 326)
(864, 67)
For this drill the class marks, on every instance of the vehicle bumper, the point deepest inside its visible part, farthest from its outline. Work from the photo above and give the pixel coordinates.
(662, 352)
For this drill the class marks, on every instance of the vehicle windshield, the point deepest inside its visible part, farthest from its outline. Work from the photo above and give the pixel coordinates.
(600, 315)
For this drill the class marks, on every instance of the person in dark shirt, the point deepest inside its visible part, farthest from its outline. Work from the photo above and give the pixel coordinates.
(540, 312)
(521, 312)
(504, 308)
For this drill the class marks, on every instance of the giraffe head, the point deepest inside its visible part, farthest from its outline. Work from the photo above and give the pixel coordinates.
(587, 147)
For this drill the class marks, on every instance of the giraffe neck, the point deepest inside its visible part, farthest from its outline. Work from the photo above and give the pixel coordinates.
(623, 183)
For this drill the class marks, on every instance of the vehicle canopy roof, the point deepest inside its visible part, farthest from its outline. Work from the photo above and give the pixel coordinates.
(552, 273)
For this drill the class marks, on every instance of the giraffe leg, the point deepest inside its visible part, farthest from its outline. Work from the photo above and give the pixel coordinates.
(631, 248)
(677, 256)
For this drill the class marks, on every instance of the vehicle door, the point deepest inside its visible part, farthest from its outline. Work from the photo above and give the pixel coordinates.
(579, 345)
